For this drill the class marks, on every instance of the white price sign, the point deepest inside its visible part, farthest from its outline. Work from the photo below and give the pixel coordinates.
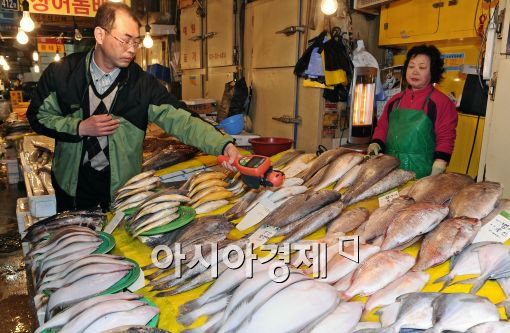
(262, 235)
(257, 214)
(386, 198)
(498, 229)
(114, 222)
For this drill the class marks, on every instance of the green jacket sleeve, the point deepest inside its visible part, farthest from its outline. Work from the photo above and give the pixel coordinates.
(172, 115)
(44, 113)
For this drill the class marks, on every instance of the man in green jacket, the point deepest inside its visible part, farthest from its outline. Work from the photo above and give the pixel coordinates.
(97, 106)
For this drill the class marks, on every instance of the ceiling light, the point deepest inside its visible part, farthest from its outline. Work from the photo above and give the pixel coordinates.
(22, 36)
(36, 68)
(57, 57)
(6, 67)
(35, 55)
(329, 7)
(26, 23)
(2, 61)
(77, 34)
(147, 41)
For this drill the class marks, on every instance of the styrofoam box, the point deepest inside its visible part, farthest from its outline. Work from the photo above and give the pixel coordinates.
(22, 210)
(40, 205)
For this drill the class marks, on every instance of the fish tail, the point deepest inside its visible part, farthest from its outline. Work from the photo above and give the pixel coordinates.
(186, 319)
(477, 283)
(506, 305)
(190, 306)
(446, 279)
(153, 276)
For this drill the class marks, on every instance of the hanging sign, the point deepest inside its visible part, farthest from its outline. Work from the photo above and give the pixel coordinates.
(67, 7)
(10, 4)
(51, 45)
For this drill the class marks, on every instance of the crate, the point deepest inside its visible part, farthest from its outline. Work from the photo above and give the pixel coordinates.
(201, 105)
(40, 205)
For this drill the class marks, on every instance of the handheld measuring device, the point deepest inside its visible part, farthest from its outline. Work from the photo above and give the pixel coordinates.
(256, 171)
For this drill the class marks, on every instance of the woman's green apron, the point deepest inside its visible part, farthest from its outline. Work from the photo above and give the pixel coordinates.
(411, 139)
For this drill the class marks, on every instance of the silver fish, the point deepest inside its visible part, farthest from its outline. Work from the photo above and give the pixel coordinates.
(287, 157)
(135, 329)
(348, 179)
(416, 311)
(342, 320)
(237, 210)
(138, 316)
(491, 327)
(459, 312)
(447, 240)
(392, 180)
(205, 310)
(337, 168)
(371, 172)
(476, 200)
(504, 204)
(439, 189)
(321, 161)
(315, 179)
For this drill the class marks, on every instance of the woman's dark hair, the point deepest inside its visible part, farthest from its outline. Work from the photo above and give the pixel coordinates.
(436, 62)
(105, 16)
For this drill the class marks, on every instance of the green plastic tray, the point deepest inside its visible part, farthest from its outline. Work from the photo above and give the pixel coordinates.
(152, 323)
(186, 215)
(107, 245)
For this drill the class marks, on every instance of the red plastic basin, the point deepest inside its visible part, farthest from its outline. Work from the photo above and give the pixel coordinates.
(269, 146)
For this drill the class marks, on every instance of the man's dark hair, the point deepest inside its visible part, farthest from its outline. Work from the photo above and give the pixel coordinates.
(105, 16)
(436, 62)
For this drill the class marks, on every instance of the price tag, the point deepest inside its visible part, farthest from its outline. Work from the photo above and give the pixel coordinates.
(262, 235)
(498, 229)
(114, 222)
(257, 214)
(138, 284)
(386, 198)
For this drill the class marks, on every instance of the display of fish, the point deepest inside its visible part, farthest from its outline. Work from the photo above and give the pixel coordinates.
(476, 200)
(447, 240)
(315, 179)
(206, 310)
(342, 320)
(503, 205)
(411, 222)
(45, 176)
(409, 283)
(378, 271)
(371, 172)
(138, 316)
(238, 210)
(392, 180)
(304, 303)
(135, 329)
(348, 179)
(439, 189)
(459, 312)
(379, 220)
(348, 220)
(338, 168)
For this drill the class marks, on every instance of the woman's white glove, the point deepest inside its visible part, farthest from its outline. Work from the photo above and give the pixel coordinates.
(374, 149)
(439, 166)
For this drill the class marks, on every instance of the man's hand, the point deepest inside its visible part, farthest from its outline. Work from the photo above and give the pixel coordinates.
(439, 166)
(232, 153)
(99, 125)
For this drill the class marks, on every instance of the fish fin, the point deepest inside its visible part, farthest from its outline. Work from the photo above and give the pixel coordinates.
(446, 279)
(506, 305)
(476, 282)
(190, 306)
(186, 319)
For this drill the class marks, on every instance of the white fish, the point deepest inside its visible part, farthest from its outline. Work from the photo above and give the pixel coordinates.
(348, 179)
(494, 264)
(209, 326)
(363, 325)
(344, 283)
(391, 181)
(287, 192)
(54, 252)
(210, 206)
(491, 327)
(68, 314)
(141, 183)
(90, 315)
(295, 181)
(343, 320)
(304, 302)
(378, 271)
(464, 263)
(81, 289)
(388, 314)
(415, 310)
(459, 312)
(140, 176)
(410, 282)
(348, 220)
(339, 167)
(246, 309)
(139, 316)
(298, 165)
(206, 310)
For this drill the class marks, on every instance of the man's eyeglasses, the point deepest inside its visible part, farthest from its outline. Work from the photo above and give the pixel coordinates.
(136, 44)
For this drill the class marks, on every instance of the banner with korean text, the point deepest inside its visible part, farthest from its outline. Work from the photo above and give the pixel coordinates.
(67, 7)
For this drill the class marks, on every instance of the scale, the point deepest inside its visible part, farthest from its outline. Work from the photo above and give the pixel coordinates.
(256, 171)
